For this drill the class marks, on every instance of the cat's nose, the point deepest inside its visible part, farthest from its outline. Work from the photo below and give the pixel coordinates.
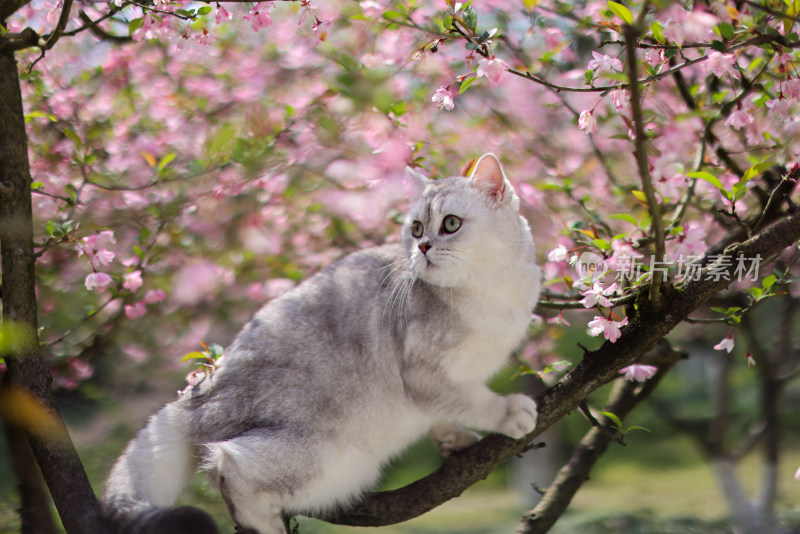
(424, 247)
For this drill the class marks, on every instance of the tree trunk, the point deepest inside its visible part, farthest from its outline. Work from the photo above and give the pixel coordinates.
(29, 399)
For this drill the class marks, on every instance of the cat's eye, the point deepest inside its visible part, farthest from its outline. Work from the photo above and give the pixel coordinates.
(417, 229)
(451, 224)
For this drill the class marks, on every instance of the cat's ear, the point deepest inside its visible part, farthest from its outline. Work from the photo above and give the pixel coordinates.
(487, 175)
(419, 180)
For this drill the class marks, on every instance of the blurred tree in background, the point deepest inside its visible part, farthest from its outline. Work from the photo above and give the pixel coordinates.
(185, 162)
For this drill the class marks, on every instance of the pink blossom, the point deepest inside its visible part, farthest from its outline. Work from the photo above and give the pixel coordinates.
(719, 64)
(654, 57)
(132, 281)
(143, 31)
(259, 16)
(603, 62)
(195, 377)
(797, 474)
(134, 311)
(206, 38)
(81, 370)
(691, 242)
(791, 88)
(552, 37)
(738, 119)
(154, 295)
(97, 281)
(608, 327)
(493, 68)
(725, 344)
(597, 295)
(443, 98)
(780, 106)
(559, 320)
(194, 282)
(321, 29)
(104, 257)
(621, 99)
(222, 15)
(638, 372)
(587, 122)
(750, 360)
(371, 9)
(558, 254)
(100, 240)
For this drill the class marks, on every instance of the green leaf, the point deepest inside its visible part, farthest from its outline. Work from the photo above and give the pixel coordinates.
(194, 355)
(524, 370)
(756, 169)
(560, 365)
(205, 10)
(135, 24)
(658, 31)
(40, 115)
(756, 293)
(617, 421)
(166, 160)
(466, 83)
(621, 11)
(637, 427)
(713, 180)
(470, 18)
(768, 282)
(718, 45)
(727, 30)
(602, 244)
(624, 217)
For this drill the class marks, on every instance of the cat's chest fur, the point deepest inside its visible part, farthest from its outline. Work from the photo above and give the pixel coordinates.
(495, 322)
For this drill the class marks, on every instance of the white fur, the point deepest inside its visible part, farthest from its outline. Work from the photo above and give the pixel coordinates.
(157, 464)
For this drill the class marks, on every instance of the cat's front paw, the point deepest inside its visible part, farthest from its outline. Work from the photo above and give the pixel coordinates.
(520, 416)
(450, 438)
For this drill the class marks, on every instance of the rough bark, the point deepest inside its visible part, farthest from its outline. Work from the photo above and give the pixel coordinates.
(33, 406)
(34, 507)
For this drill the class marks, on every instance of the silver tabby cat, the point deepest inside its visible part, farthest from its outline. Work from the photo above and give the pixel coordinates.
(334, 378)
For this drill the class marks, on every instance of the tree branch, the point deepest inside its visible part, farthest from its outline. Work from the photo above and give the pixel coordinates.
(48, 436)
(640, 151)
(623, 399)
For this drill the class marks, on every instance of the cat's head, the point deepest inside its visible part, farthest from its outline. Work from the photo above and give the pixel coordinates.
(461, 229)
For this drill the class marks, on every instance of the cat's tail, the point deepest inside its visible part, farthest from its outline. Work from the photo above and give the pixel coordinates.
(149, 476)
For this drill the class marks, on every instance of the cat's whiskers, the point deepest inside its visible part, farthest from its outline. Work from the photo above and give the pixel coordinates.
(399, 297)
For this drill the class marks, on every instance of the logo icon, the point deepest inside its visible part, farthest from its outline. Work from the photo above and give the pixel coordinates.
(590, 267)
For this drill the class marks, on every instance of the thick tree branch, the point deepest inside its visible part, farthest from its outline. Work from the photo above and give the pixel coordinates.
(34, 506)
(647, 326)
(623, 399)
(32, 404)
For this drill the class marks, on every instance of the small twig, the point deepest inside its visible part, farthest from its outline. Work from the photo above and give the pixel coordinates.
(773, 197)
(610, 434)
(56, 35)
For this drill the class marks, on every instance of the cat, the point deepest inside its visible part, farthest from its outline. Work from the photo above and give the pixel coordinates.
(337, 376)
